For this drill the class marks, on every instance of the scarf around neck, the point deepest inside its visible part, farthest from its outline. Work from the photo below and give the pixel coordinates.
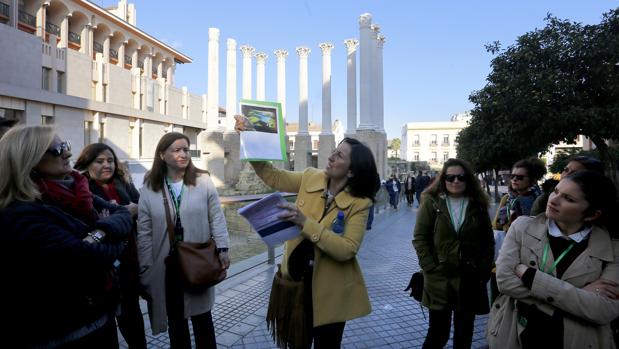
(518, 204)
(75, 199)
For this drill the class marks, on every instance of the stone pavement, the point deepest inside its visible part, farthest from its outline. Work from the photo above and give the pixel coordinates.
(387, 260)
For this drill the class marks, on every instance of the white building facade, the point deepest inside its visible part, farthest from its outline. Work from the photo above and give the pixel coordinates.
(433, 142)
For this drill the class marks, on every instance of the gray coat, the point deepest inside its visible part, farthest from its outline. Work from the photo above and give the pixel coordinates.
(587, 315)
(202, 217)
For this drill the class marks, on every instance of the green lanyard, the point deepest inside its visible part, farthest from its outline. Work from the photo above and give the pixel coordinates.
(457, 223)
(176, 200)
(554, 265)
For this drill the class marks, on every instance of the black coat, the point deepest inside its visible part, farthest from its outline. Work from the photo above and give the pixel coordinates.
(126, 191)
(56, 286)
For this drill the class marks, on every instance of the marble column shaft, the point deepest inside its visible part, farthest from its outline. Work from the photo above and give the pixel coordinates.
(248, 52)
(303, 53)
(261, 59)
(281, 78)
(230, 84)
(351, 85)
(213, 80)
(326, 87)
(365, 72)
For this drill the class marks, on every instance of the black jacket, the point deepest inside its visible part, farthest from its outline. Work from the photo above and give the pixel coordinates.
(56, 286)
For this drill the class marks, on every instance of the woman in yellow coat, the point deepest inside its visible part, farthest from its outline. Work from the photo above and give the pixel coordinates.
(323, 256)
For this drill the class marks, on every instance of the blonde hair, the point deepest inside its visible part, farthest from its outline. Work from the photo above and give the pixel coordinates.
(21, 149)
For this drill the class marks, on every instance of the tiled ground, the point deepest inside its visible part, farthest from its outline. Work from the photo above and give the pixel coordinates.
(387, 260)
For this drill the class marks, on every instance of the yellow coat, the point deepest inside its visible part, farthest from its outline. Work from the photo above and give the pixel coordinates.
(338, 289)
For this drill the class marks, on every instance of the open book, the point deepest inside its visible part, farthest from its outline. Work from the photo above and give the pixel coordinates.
(263, 214)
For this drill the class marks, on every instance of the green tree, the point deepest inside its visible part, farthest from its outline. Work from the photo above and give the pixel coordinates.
(394, 145)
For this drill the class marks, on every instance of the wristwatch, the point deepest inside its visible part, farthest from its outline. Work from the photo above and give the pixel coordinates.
(222, 249)
(97, 235)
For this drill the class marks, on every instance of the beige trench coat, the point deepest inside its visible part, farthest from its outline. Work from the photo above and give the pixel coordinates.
(587, 322)
(202, 217)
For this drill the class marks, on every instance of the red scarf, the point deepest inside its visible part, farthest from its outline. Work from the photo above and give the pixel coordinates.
(110, 191)
(76, 201)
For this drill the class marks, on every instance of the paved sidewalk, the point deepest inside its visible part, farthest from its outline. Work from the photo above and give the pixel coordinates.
(387, 260)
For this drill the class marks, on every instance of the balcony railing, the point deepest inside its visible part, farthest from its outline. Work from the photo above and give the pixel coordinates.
(165, 74)
(4, 9)
(75, 38)
(154, 71)
(52, 28)
(97, 47)
(127, 59)
(27, 18)
(113, 54)
(140, 65)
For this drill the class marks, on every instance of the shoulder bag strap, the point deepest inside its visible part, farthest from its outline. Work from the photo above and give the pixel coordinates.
(168, 217)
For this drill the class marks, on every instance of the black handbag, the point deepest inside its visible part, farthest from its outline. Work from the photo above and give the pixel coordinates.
(416, 286)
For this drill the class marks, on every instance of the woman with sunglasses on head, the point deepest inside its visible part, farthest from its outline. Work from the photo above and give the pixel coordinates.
(61, 246)
(108, 180)
(454, 243)
(194, 210)
(558, 273)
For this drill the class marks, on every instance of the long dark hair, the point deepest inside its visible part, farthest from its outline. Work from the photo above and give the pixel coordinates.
(473, 189)
(154, 178)
(365, 180)
(90, 153)
(536, 169)
(601, 194)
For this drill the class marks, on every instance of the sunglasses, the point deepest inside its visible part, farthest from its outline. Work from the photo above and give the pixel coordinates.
(59, 148)
(518, 177)
(451, 177)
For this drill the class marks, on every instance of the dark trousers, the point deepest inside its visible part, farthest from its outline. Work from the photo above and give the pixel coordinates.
(417, 195)
(104, 338)
(130, 320)
(440, 324)
(368, 226)
(410, 197)
(178, 325)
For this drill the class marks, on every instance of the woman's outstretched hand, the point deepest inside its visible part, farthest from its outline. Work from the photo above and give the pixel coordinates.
(242, 124)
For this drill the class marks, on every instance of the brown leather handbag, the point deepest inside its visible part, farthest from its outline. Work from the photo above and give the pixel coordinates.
(197, 264)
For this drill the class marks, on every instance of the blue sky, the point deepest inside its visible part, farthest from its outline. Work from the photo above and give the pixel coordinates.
(434, 56)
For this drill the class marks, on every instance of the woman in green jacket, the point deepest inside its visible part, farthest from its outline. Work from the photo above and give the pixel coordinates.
(455, 245)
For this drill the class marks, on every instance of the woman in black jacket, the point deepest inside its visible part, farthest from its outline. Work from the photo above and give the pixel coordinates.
(108, 180)
(60, 247)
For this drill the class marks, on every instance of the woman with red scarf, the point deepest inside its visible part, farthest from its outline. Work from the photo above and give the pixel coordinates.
(107, 179)
(61, 245)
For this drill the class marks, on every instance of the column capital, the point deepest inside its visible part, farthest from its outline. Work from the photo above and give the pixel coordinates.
(231, 44)
(375, 28)
(351, 45)
(247, 51)
(365, 20)
(326, 48)
(303, 52)
(381, 40)
(280, 54)
(213, 33)
(261, 57)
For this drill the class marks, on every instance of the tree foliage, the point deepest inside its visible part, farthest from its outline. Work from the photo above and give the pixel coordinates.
(552, 85)
(395, 146)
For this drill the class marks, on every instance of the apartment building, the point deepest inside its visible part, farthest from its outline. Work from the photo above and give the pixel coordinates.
(95, 75)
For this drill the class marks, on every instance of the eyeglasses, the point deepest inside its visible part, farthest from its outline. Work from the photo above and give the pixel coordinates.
(518, 177)
(59, 148)
(451, 177)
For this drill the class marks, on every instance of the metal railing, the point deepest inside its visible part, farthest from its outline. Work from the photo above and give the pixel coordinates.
(52, 28)
(75, 38)
(141, 64)
(5, 9)
(154, 71)
(164, 74)
(113, 54)
(127, 59)
(27, 18)
(97, 47)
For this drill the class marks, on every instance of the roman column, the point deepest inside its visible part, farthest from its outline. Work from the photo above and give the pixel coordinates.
(326, 142)
(230, 84)
(380, 116)
(281, 78)
(261, 59)
(248, 52)
(213, 80)
(302, 148)
(365, 78)
(351, 86)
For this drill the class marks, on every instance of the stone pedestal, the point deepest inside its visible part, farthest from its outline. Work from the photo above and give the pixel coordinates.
(212, 146)
(326, 144)
(302, 152)
(249, 182)
(377, 142)
(232, 163)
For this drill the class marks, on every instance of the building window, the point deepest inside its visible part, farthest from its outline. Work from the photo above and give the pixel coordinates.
(445, 139)
(445, 157)
(87, 132)
(46, 81)
(315, 145)
(104, 92)
(415, 156)
(433, 139)
(291, 144)
(101, 132)
(61, 86)
(415, 139)
(47, 120)
(433, 159)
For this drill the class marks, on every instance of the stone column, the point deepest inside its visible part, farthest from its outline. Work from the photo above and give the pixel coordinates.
(121, 54)
(303, 147)
(351, 86)
(261, 59)
(375, 94)
(230, 84)
(213, 80)
(281, 78)
(365, 78)
(41, 17)
(64, 31)
(380, 116)
(14, 13)
(247, 51)
(326, 142)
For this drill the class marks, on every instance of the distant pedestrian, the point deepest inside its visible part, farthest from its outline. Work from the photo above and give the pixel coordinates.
(409, 189)
(421, 183)
(394, 187)
(197, 215)
(455, 245)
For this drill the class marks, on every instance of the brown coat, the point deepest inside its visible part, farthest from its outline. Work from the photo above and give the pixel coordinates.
(338, 289)
(587, 315)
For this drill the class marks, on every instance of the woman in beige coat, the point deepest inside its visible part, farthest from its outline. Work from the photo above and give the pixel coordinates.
(558, 273)
(194, 204)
